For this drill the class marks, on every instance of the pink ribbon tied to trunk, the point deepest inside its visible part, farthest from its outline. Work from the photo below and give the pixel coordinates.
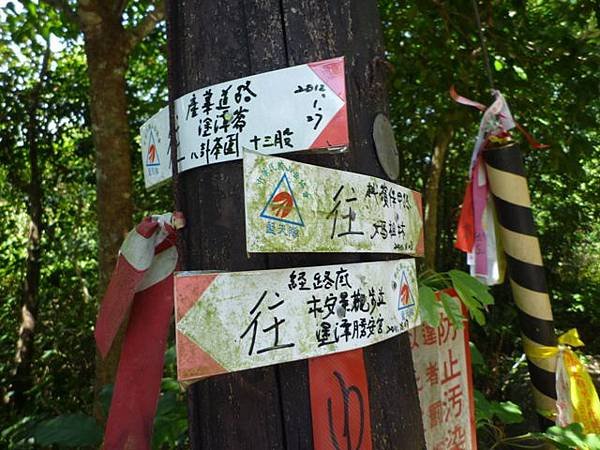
(477, 234)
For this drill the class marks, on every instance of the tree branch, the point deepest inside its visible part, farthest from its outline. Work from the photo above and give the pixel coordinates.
(64, 7)
(147, 24)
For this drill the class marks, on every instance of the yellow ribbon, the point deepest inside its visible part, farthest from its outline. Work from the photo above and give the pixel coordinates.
(571, 338)
(536, 351)
(583, 396)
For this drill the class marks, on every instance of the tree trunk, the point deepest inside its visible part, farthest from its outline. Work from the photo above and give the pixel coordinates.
(22, 377)
(442, 140)
(107, 51)
(253, 36)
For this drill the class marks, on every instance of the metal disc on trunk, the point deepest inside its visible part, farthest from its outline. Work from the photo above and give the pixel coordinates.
(385, 146)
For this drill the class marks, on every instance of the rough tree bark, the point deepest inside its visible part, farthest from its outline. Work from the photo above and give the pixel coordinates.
(216, 41)
(107, 62)
(108, 45)
(431, 197)
(22, 378)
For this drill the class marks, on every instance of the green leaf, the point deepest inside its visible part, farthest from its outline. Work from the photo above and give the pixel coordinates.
(473, 294)
(32, 8)
(507, 412)
(105, 397)
(170, 423)
(478, 316)
(170, 356)
(483, 408)
(48, 354)
(429, 307)
(166, 404)
(592, 440)
(471, 303)
(569, 437)
(480, 290)
(452, 308)
(485, 411)
(169, 432)
(476, 357)
(73, 430)
(18, 433)
(170, 384)
(520, 72)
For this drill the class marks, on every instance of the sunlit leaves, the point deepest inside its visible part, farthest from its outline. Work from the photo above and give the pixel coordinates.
(572, 436)
(452, 310)
(63, 371)
(429, 307)
(520, 72)
(486, 411)
(473, 294)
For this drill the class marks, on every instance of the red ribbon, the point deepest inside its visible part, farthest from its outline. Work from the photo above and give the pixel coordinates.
(139, 375)
(339, 401)
(142, 284)
(465, 233)
(465, 101)
(468, 223)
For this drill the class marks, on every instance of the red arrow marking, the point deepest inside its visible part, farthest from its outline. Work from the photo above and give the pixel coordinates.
(404, 294)
(152, 153)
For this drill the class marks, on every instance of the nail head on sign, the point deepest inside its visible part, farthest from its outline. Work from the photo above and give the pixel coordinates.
(385, 146)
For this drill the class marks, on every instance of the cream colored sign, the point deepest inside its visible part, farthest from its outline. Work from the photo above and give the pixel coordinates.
(296, 207)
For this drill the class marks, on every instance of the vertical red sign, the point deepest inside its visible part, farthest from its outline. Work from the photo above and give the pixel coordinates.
(339, 402)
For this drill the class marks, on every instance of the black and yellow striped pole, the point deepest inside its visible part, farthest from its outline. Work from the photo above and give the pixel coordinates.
(508, 185)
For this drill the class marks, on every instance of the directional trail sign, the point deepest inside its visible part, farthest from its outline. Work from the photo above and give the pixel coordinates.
(296, 207)
(233, 321)
(287, 110)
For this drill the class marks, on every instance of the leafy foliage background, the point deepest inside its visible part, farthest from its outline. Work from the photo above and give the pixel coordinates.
(545, 58)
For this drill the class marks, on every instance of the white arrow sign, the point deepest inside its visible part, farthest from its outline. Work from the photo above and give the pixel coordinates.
(287, 110)
(234, 321)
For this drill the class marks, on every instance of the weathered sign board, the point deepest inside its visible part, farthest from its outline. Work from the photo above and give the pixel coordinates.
(442, 363)
(287, 110)
(233, 321)
(296, 207)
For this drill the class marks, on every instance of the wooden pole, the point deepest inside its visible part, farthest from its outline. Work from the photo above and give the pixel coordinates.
(215, 41)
